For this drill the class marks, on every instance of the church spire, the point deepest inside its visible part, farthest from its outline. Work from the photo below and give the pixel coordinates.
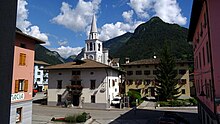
(93, 31)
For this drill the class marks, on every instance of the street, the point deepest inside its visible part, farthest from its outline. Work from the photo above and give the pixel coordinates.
(42, 114)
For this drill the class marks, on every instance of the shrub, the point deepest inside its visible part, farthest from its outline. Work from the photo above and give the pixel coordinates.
(193, 101)
(81, 118)
(163, 103)
(71, 118)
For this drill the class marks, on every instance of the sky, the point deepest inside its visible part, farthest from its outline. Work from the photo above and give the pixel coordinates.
(64, 24)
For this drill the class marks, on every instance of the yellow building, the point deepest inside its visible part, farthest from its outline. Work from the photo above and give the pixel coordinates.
(141, 76)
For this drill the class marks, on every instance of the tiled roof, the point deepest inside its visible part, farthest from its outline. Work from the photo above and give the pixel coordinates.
(144, 62)
(40, 63)
(80, 64)
(37, 41)
(151, 62)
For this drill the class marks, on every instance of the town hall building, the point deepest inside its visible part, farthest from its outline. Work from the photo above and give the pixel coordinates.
(87, 83)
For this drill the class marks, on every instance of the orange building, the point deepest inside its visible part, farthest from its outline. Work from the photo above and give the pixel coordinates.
(22, 80)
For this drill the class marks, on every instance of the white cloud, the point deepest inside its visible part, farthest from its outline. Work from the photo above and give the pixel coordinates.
(25, 25)
(127, 15)
(77, 19)
(62, 43)
(35, 32)
(169, 11)
(141, 7)
(109, 31)
(67, 51)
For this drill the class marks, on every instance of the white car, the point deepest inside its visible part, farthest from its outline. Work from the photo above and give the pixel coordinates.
(116, 100)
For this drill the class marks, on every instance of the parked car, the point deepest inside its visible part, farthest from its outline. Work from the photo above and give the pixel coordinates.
(116, 101)
(172, 118)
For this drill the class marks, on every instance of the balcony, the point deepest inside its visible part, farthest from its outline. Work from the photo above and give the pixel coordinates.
(75, 89)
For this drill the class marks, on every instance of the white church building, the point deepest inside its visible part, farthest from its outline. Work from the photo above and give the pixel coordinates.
(94, 49)
(88, 83)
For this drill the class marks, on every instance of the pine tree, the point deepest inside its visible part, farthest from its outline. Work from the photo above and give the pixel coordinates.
(165, 78)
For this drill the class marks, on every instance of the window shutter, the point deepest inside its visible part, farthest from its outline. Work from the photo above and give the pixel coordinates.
(24, 58)
(16, 86)
(25, 85)
(20, 59)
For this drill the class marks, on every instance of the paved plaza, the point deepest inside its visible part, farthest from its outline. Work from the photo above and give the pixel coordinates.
(42, 114)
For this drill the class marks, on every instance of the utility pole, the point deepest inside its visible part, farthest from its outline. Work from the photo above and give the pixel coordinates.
(8, 11)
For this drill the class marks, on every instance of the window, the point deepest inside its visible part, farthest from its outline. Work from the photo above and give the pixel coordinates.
(92, 98)
(182, 64)
(22, 59)
(147, 66)
(211, 90)
(91, 73)
(113, 83)
(59, 98)
(207, 52)
(154, 72)
(94, 46)
(147, 72)
(18, 115)
(109, 82)
(92, 84)
(22, 45)
(205, 20)
(200, 62)
(59, 84)
(38, 79)
(138, 66)
(201, 29)
(21, 85)
(183, 91)
(129, 72)
(75, 72)
(182, 71)
(182, 81)
(59, 73)
(155, 66)
(99, 47)
(197, 37)
(207, 90)
(38, 73)
(196, 62)
(90, 46)
(203, 55)
(129, 66)
(138, 72)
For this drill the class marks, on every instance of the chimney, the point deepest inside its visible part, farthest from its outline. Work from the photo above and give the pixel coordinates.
(127, 60)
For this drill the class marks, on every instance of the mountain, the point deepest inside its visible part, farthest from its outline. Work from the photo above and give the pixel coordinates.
(50, 57)
(70, 58)
(115, 43)
(148, 38)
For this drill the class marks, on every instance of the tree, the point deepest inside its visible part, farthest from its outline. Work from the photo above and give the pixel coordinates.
(166, 84)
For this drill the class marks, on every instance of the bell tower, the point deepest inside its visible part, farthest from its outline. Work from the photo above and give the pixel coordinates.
(93, 46)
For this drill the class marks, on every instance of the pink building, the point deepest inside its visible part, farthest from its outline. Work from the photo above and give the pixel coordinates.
(22, 80)
(204, 33)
